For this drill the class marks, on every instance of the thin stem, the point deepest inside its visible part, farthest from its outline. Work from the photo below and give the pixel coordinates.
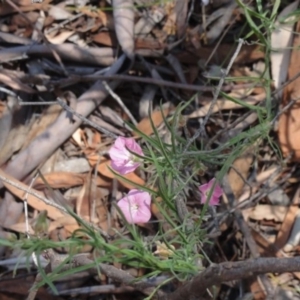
(215, 98)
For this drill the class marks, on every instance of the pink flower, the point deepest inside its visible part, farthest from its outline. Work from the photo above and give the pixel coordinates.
(122, 160)
(216, 194)
(136, 206)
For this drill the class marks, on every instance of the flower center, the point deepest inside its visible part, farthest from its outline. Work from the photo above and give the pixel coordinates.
(207, 193)
(134, 207)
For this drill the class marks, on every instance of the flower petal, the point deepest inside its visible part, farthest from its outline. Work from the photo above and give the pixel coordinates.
(203, 198)
(214, 201)
(121, 159)
(142, 198)
(136, 206)
(204, 187)
(143, 214)
(124, 167)
(118, 150)
(125, 204)
(218, 191)
(133, 146)
(215, 195)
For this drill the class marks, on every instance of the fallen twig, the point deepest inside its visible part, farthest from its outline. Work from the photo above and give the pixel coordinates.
(118, 275)
(227, 271)
(48, 141)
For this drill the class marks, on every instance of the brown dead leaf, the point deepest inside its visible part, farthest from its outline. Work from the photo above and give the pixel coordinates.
(101, 213)
(106, 38)
(226, 105)
(68, 224)
(246, 72)
(256, 289)
(13, 82)
(149, 43)
(265, 248)
(60, 38)
(96, 141)
(103, 182)
(105, 17)
(288, 222)
(242, 165)
(35, 202)
(20, 227)
(103, 168)
(268, 212)
(32, 16)
(24, 6)
(59, 180)
(289, 121)
(248, 53)
(145, 124)
(78, 137)
(83, 205)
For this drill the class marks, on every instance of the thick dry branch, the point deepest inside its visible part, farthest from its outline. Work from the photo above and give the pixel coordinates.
(48, 141)
(216, 274)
